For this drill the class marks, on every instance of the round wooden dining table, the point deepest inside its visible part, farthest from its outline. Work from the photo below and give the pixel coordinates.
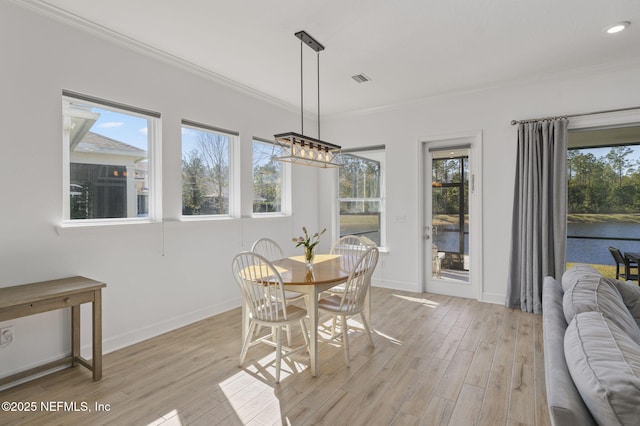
(328, 270)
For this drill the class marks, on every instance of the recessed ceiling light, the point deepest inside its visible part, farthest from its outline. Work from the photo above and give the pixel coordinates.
(616, 28)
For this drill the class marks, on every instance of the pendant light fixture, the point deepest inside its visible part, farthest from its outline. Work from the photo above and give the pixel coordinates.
(297, 148)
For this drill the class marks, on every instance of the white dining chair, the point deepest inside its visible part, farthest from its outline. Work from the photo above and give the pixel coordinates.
(353, 247)
(351, 301)
(268, 248)
(263, 294)
(271, 250)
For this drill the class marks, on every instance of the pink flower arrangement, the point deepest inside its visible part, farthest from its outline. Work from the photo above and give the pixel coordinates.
(309, 242)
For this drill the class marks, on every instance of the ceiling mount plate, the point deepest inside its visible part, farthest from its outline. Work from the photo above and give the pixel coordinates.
(309, 41)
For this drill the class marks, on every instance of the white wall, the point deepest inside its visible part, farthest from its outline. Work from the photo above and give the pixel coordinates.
(159, 276)
(490, 111)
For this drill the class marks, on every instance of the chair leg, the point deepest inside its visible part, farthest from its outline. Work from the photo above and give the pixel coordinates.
(345, 338)
(245, 344)
(278, 352)
(366, 328)
(333, 327)
(288, 334)
(305, 333)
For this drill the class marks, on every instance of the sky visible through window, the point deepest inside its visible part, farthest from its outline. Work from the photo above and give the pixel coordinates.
(126, 128)
(133, 130)
(602, 152)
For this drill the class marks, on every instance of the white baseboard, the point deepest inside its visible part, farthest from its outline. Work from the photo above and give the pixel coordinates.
(495, 298)
(396, 285)
(117, 342)
(135, 336)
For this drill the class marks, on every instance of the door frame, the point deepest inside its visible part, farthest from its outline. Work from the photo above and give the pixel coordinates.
(474, 139)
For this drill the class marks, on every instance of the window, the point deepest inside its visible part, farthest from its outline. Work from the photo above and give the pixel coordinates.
(268, 179)
(361, 194)
(206, 171)
(603, 195)
(108, 151)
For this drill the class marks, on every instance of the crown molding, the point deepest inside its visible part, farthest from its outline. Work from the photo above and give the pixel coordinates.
(50, 11)
(43, 8)
(523, 80)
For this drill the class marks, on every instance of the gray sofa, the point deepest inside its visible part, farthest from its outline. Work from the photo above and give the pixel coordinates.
(591, 328)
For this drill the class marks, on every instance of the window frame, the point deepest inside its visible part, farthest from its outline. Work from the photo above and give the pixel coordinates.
(285, 184)
(233, 137)
(154, 160)
(362, 152)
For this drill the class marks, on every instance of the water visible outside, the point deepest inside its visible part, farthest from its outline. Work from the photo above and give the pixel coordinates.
(447, 238)
(596, 251)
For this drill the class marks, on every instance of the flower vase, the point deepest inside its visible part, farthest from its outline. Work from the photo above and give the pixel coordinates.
(309, 254)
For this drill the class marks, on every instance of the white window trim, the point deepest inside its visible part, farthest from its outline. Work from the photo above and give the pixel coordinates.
(285, 189)
(234, 173)
(382, 199)
(154, 161)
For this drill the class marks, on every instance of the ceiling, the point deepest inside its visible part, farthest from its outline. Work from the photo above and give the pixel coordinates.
(411, 49)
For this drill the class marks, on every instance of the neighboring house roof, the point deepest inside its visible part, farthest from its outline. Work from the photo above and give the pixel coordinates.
(98, 144)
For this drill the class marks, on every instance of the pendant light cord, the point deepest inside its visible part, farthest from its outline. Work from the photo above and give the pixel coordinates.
(318, 60)
(301, 94)
(302, 91)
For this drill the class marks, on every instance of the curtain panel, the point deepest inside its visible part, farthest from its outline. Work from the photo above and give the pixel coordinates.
(539, 226)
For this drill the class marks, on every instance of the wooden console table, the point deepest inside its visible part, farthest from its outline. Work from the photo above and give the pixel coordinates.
(28, 299)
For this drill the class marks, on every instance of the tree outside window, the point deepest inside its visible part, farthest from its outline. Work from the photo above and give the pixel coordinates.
(205, 172)
(360, 200)
(604, 180)
(267, 179)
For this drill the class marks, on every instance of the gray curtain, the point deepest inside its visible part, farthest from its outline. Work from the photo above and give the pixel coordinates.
(539, 227)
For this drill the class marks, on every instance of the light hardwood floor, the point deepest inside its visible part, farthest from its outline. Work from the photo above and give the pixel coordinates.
(438, 360)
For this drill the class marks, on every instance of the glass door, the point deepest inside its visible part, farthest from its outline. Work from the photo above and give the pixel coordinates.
(447, 183)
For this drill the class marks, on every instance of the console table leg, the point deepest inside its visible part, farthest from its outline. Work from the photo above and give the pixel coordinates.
(75, 333)
(97, 335)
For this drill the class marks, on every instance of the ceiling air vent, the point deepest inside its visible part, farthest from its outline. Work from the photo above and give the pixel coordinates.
(360, 78)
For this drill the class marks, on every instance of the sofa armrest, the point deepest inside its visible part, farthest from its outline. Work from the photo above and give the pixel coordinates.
(565, 404)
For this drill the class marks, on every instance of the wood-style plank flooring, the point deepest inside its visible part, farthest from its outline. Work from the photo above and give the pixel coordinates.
(437, 360)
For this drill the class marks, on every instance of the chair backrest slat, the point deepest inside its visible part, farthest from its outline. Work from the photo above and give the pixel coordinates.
(268, 248)
(359, 281)
(261, 286)
(350, 245)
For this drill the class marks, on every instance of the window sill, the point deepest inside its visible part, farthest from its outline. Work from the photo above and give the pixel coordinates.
(100, 225)
(269, 216)
(202, 218)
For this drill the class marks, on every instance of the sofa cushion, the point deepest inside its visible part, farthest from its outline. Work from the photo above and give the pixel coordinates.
(605, 366)
(630, 293)
(573, 274)
(565, 404)
(592, 293)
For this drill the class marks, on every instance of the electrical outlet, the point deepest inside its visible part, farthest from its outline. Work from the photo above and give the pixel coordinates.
(6, 335)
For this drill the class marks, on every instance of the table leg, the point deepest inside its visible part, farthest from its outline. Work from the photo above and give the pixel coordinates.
(75, 334)
(312, 309)
(97, 335)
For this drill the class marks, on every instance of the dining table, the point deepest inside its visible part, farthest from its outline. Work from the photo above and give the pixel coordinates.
(326, 271)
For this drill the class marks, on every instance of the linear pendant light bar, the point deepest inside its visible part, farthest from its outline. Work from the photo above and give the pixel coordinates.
(293, 147)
